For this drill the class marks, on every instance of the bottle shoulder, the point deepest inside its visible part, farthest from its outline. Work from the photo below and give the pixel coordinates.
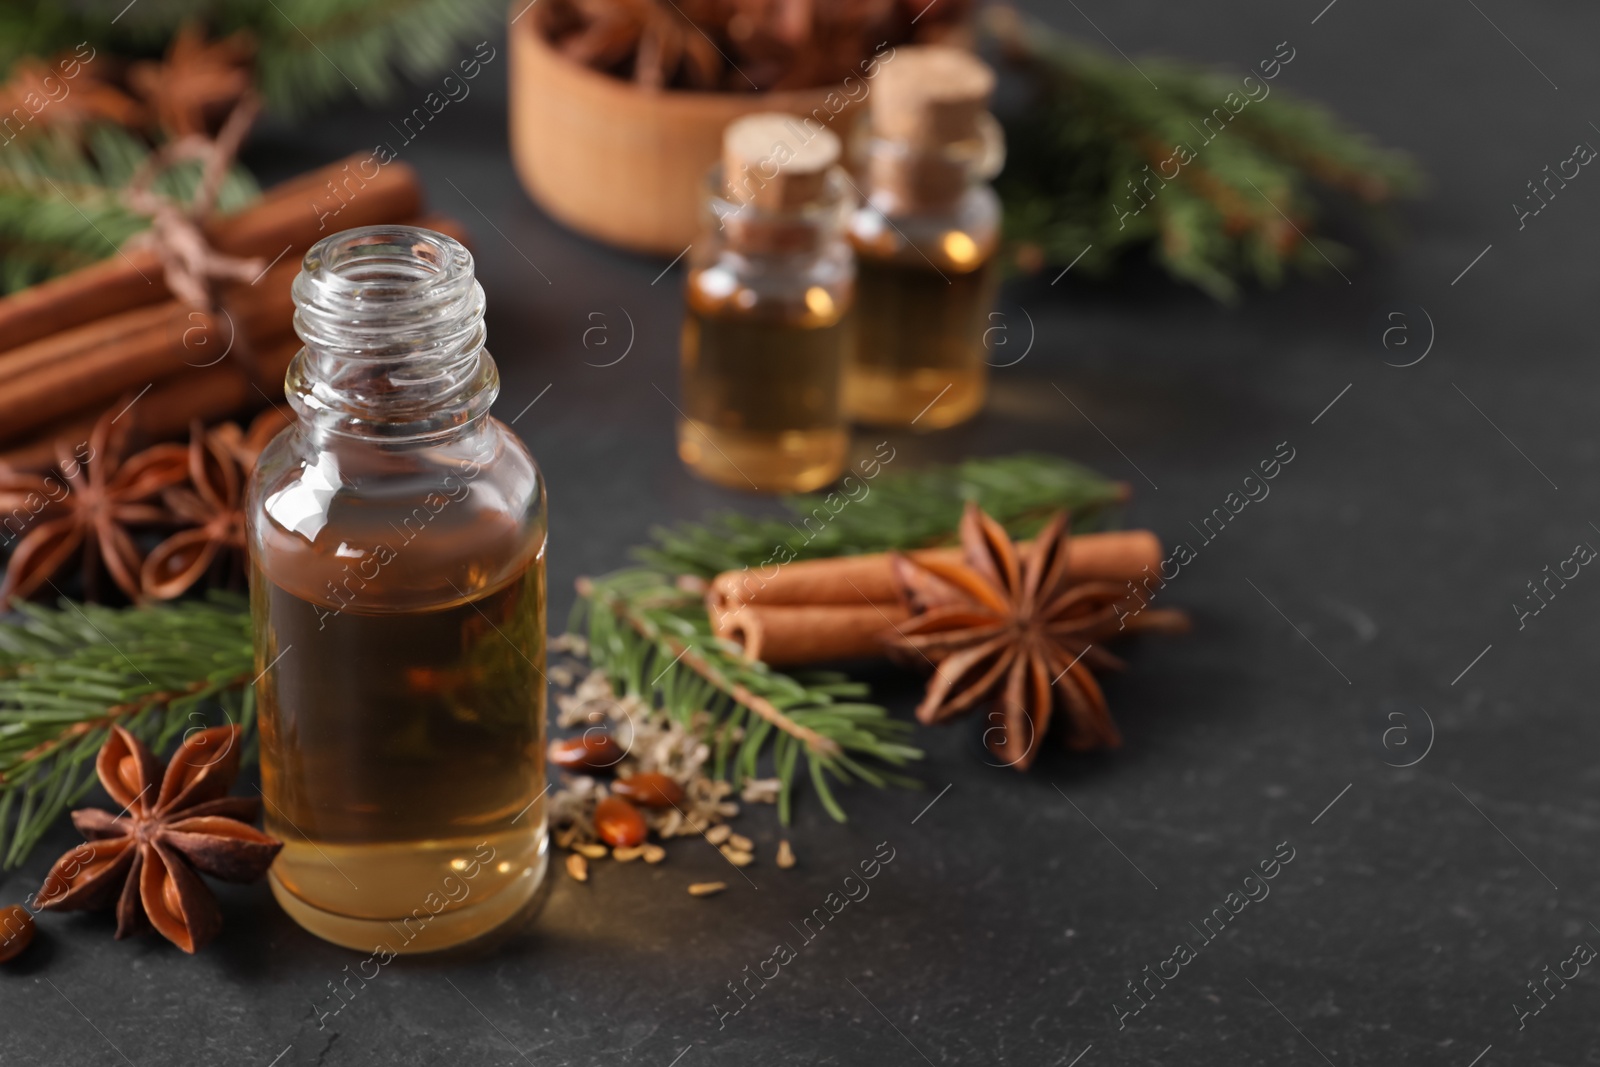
(959, 237)
(414, 526)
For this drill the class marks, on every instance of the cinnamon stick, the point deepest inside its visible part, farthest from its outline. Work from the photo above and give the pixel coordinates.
(287, 220)
(787, 635)
(1117, 556)
(81, 340)
(272, 359)
(164, 413)
(161, 343)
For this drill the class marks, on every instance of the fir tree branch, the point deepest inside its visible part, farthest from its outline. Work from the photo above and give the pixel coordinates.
(654, 640)
(1092, 167)
(68, 673)
(896, 509)
(309, 52)
(685, 654)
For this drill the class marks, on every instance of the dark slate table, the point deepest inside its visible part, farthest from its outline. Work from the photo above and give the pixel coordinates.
(1359, 692)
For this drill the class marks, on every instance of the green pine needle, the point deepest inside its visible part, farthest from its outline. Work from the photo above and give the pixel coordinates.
(308, 52)
(1094, 123)
(59, 208)
(68, 673)
(654, 641)
(897, 509)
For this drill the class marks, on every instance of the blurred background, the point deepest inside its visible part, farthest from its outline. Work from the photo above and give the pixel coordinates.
(1221, 234)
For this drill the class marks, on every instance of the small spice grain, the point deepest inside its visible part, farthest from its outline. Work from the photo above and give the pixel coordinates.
(706, 889)
(578, 868)
(16, 931)
(737, 857)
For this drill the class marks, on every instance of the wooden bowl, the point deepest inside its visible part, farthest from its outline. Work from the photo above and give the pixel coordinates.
(618, 163)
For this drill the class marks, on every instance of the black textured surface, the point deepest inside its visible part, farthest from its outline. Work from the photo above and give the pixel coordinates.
(1370, 592)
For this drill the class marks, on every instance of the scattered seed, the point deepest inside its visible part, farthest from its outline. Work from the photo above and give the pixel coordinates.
(706, 889)
(628, 855)
(741, 842)
(654, 853)
(785, 855)
(593, 750)
(761, 790)
(16, 931)
(565, 838)
(735, 856)
(619, 823)
(578, 868)
(718, 834)
(651, 789)
(591, 850)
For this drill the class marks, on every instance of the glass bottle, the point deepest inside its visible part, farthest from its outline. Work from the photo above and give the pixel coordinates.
(925, 242)
(765, 338)
(397, 535)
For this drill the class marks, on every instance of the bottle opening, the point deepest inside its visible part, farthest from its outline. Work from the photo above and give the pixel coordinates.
(392, 320)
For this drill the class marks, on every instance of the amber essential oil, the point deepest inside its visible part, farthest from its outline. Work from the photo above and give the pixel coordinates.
(403, 747)
(919, 356)
(761, 392)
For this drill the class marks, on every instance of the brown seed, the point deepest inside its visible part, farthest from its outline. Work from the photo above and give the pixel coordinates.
(741, 842)
(706, 889)
(719, 833)
(619, 823)
(628, 855)
(785, 855)
(654, 853)
(593, 751)
(591, 850)
(578, 868)
(16, 931)
(737, 857)
(650, 789)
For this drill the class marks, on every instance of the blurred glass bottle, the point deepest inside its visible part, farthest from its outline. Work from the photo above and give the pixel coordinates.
(925, 242)
(764, 335)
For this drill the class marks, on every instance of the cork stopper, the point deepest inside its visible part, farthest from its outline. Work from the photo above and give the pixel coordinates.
(777, 162)
(931, 95)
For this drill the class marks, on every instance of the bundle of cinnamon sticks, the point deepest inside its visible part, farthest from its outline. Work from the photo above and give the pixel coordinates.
(73, 345)
(822, 610)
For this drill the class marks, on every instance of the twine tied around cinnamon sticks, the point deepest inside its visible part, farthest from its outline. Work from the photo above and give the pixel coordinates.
(190, 264)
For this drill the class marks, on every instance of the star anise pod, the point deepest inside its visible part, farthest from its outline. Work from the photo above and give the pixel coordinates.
(666, 39)
(245, 446)
(1018, 631)
(212, 506)
(194, 87)
(88, 505)
(35, 89)
(172, 825)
